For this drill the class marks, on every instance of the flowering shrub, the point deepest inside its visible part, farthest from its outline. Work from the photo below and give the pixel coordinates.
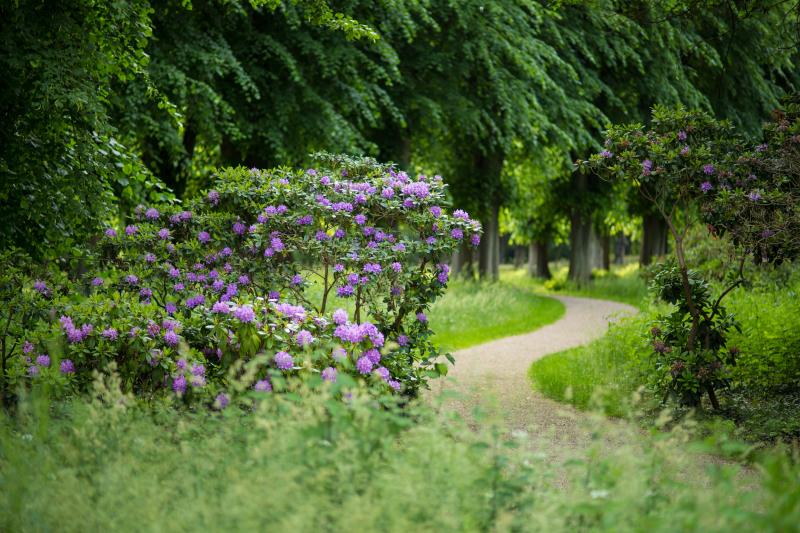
(690, 166)
(325, 272)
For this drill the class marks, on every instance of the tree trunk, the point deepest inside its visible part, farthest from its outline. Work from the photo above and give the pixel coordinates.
(620, 247)
(596, 248)
(654, 239)
(605, 244)
(519, 256)
(532, 259)
(489, 169)
(542, 261)
(490, 246)
(580, 235)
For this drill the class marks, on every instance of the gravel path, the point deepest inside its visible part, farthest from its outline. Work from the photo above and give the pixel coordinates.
(493, 377)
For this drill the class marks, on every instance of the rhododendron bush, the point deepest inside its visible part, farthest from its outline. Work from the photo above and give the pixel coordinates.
(325, 272)
(693, 168)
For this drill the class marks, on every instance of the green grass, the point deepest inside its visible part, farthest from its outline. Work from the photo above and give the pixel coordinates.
(604, 373)
(471, 313)
(621, 284)
(310, 462)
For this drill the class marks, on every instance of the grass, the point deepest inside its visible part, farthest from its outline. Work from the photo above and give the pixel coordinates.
(621, 284)
(310, 462)
(471, 313)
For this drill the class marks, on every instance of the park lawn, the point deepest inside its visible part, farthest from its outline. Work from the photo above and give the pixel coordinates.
(471, 312)
(623, 283)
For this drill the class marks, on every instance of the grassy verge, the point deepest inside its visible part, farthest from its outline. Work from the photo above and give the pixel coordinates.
(310, 462)
(764, 398)
(621, 284)
(471, 313)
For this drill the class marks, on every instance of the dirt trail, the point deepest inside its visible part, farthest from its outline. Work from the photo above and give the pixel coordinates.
(494, 376)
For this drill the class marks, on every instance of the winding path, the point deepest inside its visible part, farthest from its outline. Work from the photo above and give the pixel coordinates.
(494, 376)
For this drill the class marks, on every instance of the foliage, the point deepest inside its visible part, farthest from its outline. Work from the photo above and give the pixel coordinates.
(199, 295)
(688, 163)
(309, 461)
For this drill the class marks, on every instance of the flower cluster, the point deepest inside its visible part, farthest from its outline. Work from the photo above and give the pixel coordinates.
(251, 273)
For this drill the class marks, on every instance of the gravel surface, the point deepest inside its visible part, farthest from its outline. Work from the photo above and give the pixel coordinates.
(496, 373)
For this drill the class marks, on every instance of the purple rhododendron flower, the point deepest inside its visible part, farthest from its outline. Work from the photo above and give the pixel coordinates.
(305, 220)
(402, 340)
(40, 286)
(131, 230)
(394, 384)
(110, 334)
(360, 219)
(239, 228)
(179, 384)
(475, 240)
(708, 169)
(198, 369)
(27, 346)
(329, 374)
(374, 355)
(222, 401)
(706, 186)
(263, 385)
(283, 361)
(422, 317)
(152, 214)
(682, 135)
(685, 150)
(304, 337)
(67, 366)
(605, 154)
(111, 233)
(244, 314)
(213, 197)
(43, 360)
(754, 196)
(204, 237)
(457, 233)
(383, 372)
(340, 317)
(171, 338)
(33, 371)
(364, 365)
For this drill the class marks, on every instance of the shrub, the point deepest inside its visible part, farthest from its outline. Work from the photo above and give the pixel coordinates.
(186, 299)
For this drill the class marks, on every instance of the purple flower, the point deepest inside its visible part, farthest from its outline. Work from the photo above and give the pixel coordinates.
(111, 233)
(33, 371)
(110, 334)
(475, 240)
(40, 286)
(283, 361)
(204, 237)
(387, 192)
(360, 219)
(708, 169)
(706, 186)
(195, 301)
(305, 220)
(459, 213)
(457, 233)
(304, 337)
(373, 355)
(276, 244)
(311, 172)
(402, 340)
(163, 234)
(244, 314)
(263, 385)
(213, 197)
(605, 154)
(647, 166)
(297, 279)
(179, 384)
(322, 236)
(416, 188)
(222, 401)
(27, 346)
(383, 372)
(67, 367)
(171, 338)
(431, 240)
(43, 360)
(150, 258)
(754, 196)
(344, 291)
(394, 384)
(372, 268)
(198, 370)
(131, 230)
(364, 365)
(340, 317)
(329, 374)
(422, 317)
(682, 135)
(685, 150)
(761, 147)
(152, 214)
(181, 363)
(399, 247)
(396, 266)
(239, 228)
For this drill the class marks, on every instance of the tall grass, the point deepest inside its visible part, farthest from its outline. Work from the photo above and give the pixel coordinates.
(622, 283)
(309, 462)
